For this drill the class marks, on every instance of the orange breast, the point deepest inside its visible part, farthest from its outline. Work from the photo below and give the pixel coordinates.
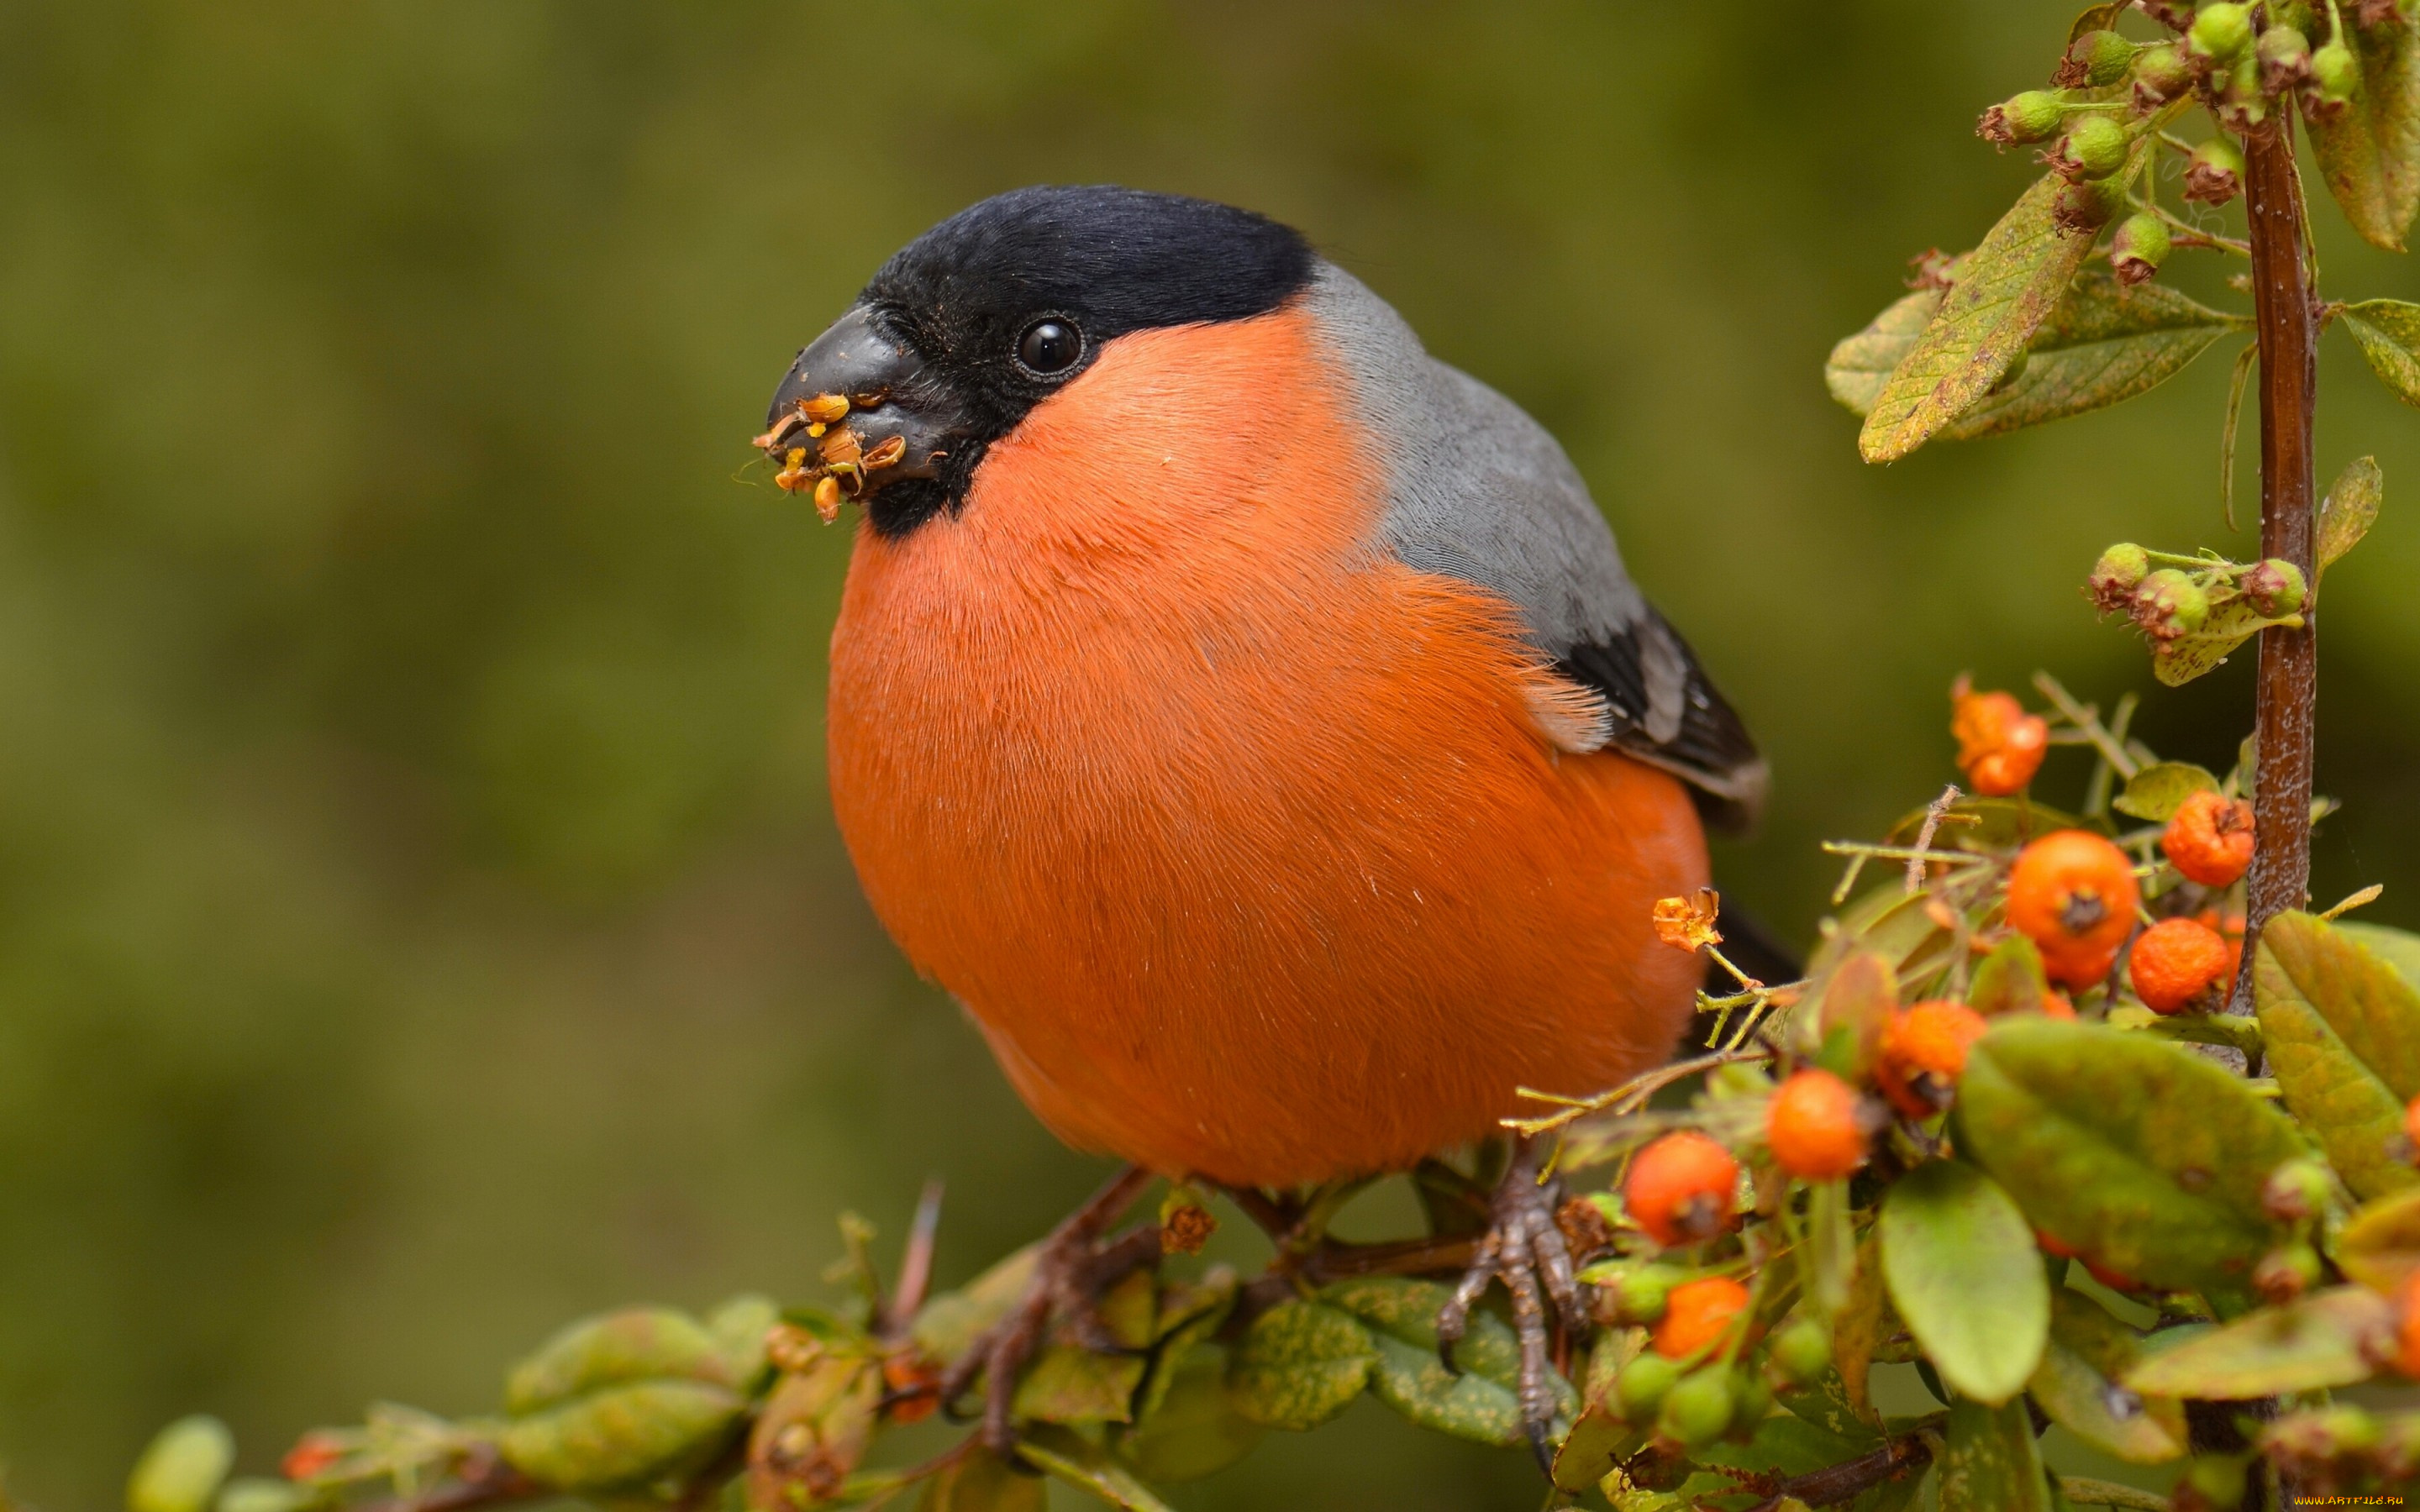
(1233, 833)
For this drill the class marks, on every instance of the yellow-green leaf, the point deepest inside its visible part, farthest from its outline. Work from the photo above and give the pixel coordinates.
(2351, 507)
(625, 1435)
(2388, 333)
(181, 1468)
(1072, 1383)
(2075, 1385)
(2370, 152)
(2176, 662)
(2139, 1153)
(2379, 1245)
(1481, 1403)
(1965, 1277)
(2343, 1032)
(1861, 366)
(979, 1481)
(2397, 947)
(2102, 344)
(2007, 288)
(1194, 1427)
(1990, 1462)
(2323, 1340)
(635, 1345)
(949, 1323)
(2011, 979)
(1857, 1004)
(1300, 1364)
(2158, 791)
(1086, 1466)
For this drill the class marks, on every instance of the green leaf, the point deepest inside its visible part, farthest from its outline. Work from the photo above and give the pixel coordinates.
(740, 1327)
(2011, 979)
(1071, 1384)
(1989, 1463)
(2343, 1031)
(183, 1467)
(2158, 791)
(1087, 1467)
(636, 1345)
(1480, 1404)
(979, 1481)
(620, 1436)
(2351, 507)
(2085, 1491)
(1857, 1004)
(2100, 18)
(1966, 1278)
(1194, 1429)
(1190, 1313)
(2176, 662)
(2399, 948)
(2089, 1352)
(950, 1324)
(2006, 289)
(2314, 1344)
(1300, 1364)
(2102, 344)
(2379, 1245)
(2370, 152)
(1600, 1438)
(2388, 333)
(2139, 1153)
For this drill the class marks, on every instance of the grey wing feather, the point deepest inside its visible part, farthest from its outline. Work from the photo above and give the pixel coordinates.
(1480, 492)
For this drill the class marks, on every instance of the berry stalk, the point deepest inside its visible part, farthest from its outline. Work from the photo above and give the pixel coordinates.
(2286, 307)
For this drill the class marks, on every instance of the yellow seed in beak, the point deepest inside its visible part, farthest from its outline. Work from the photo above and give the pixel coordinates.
(840, 448)
(828, 499)
(823, 409)
(887, 453)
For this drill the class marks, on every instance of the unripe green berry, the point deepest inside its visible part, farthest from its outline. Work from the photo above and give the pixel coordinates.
(1642, 1384)
(2335, 73)
(1751, 1401)
(2215, 173)
(2140, 246)
(2169, 604)
(1802, 1351)
(2243, 103)
(1697, 1410)
(2284, 56)
(2097, 59)
(2296, 1189)
(2035, 115)
(2162, 73)
(2285, 1273)
(2276, 588)
(2221, 30)
(1638, 1297)
(2218, 1480)
(2094, 147)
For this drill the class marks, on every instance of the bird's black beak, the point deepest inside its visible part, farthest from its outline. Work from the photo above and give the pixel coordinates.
(855, 413)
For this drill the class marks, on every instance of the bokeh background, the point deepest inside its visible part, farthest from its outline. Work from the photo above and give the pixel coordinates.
(420, 915)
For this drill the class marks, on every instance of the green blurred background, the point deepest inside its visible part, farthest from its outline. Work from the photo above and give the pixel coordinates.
(420, 916)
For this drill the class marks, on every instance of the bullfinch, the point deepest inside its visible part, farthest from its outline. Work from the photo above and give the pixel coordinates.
(1244, 714)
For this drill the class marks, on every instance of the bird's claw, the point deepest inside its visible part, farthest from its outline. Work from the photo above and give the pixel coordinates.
(1072, 1270)
(1525, 1249)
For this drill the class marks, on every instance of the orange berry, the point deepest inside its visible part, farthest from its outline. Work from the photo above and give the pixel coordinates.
(1814, 1127)
(2000, 746)
(312, 1455)
(2113, 1280)
(2176, 964)
(2209, 838)
(2057, 1005)
(2406, 1326)
(1924, 1053)
(2411, 1124)
(2072, 893)
(1680, 1189)
(1697, 1314)
(2052, 1245)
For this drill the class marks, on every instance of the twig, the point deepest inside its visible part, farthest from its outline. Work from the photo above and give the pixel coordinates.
(1835, 1484)
(1634, 1092)
(916, 1264)
(1932, 812)
(485, 1482)
(2089, 721)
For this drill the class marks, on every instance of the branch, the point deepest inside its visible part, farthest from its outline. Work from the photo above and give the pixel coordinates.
(1835, 1484)
(2288, 309)
(485, 1481)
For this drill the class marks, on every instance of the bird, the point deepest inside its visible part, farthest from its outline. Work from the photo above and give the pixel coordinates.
(1245, 715)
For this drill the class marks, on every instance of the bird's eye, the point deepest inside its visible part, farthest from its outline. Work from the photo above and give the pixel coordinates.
(1049, 346)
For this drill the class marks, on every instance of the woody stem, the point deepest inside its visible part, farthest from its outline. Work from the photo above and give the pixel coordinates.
(2287, 309)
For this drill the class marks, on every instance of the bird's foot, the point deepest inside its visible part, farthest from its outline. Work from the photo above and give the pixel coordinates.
(1525, 1249)
(1075, 1265)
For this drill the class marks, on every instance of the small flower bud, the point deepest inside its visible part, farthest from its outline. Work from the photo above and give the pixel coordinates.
(2035, 115)
(2140, 246)
(2095, 58)
(2335, 74)
(2214, 175)
(2241, 103)
(2284, 56)
(2220, 31)
(2120, 570)
(2094, 147)
(2169, 604)
(2275, 588)
(2160, 74)
(2296, 1189)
